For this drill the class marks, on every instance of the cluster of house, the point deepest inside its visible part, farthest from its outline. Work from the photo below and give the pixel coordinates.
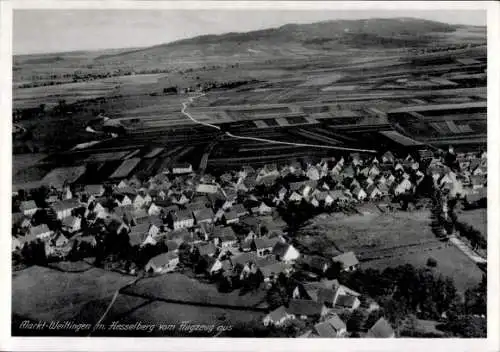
(320, 303)
(358, 179)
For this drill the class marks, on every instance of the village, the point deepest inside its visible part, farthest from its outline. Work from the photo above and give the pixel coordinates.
(229, 228)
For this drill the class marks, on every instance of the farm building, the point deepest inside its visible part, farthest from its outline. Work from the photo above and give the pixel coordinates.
(125, 168)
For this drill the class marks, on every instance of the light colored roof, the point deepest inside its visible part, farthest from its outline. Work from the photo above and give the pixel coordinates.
(28, 205)
(347, 259)
(278, 314)
(380, 329)
(65, 204)
(163, 259)
(38, 230)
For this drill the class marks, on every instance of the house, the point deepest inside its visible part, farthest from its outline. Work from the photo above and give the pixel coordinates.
(267, 171)
(59, 240)
(138, 201)
(182, 219)
(313, 173)
(348, 260)
(206, 249)
(264, 209)
(388, 157)
(153, 209)
(384, 190)
(333, 327)
(285, 252)
(16, 244)
(324, 198)
(71, 224)
(225, 237)
(403, 187)
(28, 208)
(317, 263)
(230, 217)
(207, 188)
(240, 210)
(182, 169)
(139, 235)
(64, 208)
(122, 200)
(204, 215)
(139, 216)
(214, 265)
(347, 302)
(163, 263)
(264, 246)
(41, 231)
(478, 181)
(277, 317)
(381, 329)
(359, 193)
(374, 171)
(295, 197)
(356, 159)
(373, 192)
(304, 309)
(94, 190)
(271, 269)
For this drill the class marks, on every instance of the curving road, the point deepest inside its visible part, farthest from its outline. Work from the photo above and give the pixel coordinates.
(264, 140)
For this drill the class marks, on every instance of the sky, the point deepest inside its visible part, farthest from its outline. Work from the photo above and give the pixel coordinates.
(46, 31)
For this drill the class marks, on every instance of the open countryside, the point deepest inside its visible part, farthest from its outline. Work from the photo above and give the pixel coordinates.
(311, 180)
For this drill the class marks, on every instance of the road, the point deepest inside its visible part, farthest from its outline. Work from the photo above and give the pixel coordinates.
(263, 140)
(467, 250)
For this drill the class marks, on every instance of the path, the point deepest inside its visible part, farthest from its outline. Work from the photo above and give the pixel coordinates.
(467, 250)
(264, 140)
(115, 296)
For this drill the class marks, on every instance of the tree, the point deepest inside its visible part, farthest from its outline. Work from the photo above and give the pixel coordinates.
(356, 321)
(274, 298)
(431, 262)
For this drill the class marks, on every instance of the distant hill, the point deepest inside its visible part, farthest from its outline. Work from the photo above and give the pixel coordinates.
(286, 42)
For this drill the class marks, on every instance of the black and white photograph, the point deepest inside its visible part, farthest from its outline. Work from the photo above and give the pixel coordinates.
(250, 173)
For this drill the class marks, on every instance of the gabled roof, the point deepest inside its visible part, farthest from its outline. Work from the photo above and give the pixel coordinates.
(28, 205)
(206, 248)
(325, 330)
(274, 267)
(345, 300)
(231, 215)
(94, 189)
(278, 314)
(265, 242)
(225, 233)
(381, 329)
(347, 259)
(65, 204)
(244, 258)
(163, 259)
(304, 307)
(38, 230)
(69, 221)
(182, 215)
(239, 209)
(280, 248)
(204, 214)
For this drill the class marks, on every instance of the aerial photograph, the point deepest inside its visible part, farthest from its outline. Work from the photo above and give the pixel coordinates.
(249, 173)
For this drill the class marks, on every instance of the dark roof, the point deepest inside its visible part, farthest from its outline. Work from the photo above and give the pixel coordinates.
(304, 307)
(345, 300)
(244, 258)
(225, 233)
(265, 242)
(325, 295)
(69, 221)
(380, 329)
(274, 268)
(206, 248)
(204, 214)
(325, 330)
(183, 215)
(280, 248)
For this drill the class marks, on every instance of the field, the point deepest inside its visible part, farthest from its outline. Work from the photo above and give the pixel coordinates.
(177, 287)
(450, 262)
(24, 161)
(374, 235)
(47, 294)
(476, 218)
